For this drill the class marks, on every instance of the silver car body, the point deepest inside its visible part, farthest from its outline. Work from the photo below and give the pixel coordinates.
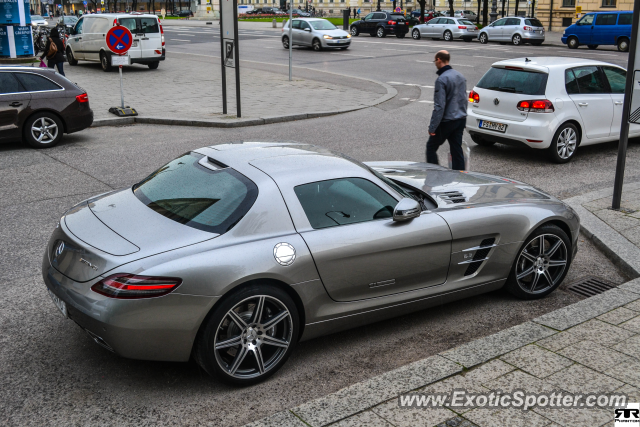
(343, 276)
(304, 33)
(459, 28)
(504, 30)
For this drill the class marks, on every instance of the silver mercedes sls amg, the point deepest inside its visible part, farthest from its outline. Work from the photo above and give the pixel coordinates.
(231, 254)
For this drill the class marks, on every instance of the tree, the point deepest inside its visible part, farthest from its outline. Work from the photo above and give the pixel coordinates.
(450, 7)
(423, 4)
(485, 12)
(478, 15)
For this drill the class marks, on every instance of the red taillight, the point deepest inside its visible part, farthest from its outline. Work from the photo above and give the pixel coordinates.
(82, 98)
(474, 97)
(536, 106)
(162, 34)
(462, 27)
(527, 28)
(391, 22)
(129, 286)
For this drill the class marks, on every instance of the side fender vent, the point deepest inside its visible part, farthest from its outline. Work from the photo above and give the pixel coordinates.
(480, 256)
(452, 197)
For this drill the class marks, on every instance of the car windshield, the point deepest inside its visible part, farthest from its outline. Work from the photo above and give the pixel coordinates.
(70, 20)
(533, 22)
(211, 198)
(465, 22)
(322, 25)
(514, 81)
(36, 18)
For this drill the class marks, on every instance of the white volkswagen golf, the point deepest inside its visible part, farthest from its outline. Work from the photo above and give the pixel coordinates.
(551, 103)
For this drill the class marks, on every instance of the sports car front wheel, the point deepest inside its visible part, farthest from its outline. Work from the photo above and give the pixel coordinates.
(541, 264)
(249, 335)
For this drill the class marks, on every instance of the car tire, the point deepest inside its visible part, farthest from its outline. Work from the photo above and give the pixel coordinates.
(592, 46)
(105, 62)
(316, 45)
(484, 39)
(623, 44)
(153, 65)
(70, 58)
(541, 264)
(447, 36)
(564, 144)
(516, 40)
(354, 31)
(400, 36)
(416, 34)
(241, 331)
(481, 142)
(573, 43)
(380, 33)
(43, 130)
(285, 42)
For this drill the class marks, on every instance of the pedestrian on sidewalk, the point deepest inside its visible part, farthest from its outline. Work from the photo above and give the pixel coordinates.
(449, 116)
(358, 13)
(349, 10)
(354, 13)
(54, 51)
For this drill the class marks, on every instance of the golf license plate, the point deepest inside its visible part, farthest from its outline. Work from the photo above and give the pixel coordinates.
(498, 127)
(62, 306)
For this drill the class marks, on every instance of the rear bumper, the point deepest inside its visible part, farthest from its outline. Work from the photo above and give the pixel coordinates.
(396, 29)
(80, 121)
(148, 60)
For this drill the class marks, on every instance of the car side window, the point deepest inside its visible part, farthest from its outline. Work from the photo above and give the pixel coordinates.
(9, 84)
(570, 82)
(78, 29)
(344, 201)
(500, 22)
(451, 21)
(617, 78)
(606, 19)
(586, 20)
(379, 16)
(36, 83)
(304, 25)
(513, 21)
(625, 19)
(369, 17)
(589, 79)
(296, 24)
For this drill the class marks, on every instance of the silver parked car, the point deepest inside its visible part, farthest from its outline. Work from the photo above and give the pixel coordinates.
(316, 33)
(446, 28)
(514, 30)
(233, 253)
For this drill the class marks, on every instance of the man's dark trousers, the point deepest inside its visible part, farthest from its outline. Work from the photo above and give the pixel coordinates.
(451, 131)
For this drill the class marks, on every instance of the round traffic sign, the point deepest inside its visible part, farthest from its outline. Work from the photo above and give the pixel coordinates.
(398, 9)
(119, 39)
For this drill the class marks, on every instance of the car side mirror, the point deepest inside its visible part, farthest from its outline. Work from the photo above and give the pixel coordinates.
(362, 19)
(308, 29)
(406, 209)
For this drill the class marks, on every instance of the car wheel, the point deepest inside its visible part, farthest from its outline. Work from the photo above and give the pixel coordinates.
(623, 45)
(355, 32)
(541, 264)
(380, 32)
(105, 62)
(70, 58)
(564, 144)
(592, 46)
(415, 34)
(43, 130)
(516, 40)
(573, 43)
(481, 142)
(153, 65)
(285, 42)
(249, 335)
(483, 38)
(316, 45)
(400, 36)
(448, 36)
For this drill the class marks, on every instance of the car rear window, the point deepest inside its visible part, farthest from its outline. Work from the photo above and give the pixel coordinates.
(141, 25)
(625, 19)
(36, 83)
(514, 81)
(398, 17)
(465, 22)
(187, 192)
(533, 22)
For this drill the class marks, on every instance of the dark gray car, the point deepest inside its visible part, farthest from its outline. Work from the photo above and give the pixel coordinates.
(233, 253)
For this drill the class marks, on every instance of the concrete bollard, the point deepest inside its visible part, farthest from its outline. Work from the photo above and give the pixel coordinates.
(284, 21)
(275, 23)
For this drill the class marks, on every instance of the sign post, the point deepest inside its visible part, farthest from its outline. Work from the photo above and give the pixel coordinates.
(630, 108)
(119, 40)
(229, 50)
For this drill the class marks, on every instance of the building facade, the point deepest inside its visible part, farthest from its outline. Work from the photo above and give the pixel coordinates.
(557, 15)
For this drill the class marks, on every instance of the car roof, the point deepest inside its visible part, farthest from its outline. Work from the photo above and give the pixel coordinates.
(544, 63)
(120, 15)
(24, 68)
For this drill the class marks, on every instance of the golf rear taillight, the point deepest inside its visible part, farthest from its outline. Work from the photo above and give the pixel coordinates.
(536, 106)
(474, 97)
(527, 28)
(82, 98)
(129, 286)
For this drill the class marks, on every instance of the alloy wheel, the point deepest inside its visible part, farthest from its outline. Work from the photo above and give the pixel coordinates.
(380, 32)
(354, 31)
(483, 38)
(541, 263)
(316, 45)
(253, 337)
(44, 130)
(447, 36)
(285, 42)
(415, 34)
(566, 143)
(516, 40)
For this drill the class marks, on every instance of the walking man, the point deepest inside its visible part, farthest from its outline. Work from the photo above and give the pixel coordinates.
(449, 112)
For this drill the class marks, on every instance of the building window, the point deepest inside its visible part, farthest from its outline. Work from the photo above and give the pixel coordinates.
(568, 3)
(566, 22)
(608, 3)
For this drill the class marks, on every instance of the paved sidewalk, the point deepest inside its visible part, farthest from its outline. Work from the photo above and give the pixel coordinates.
(592, 346)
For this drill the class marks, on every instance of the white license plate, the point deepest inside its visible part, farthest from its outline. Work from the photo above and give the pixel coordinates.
(62, 306)
(134, 44)
(499, 127)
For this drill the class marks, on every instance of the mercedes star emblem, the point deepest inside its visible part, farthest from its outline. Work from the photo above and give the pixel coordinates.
(59, 249)
(284, 254)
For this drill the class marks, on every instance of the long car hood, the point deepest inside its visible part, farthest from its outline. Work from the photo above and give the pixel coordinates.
(111, 230)
(455, 188)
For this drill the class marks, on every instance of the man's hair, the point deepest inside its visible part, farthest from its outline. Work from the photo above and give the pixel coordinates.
(442, 56)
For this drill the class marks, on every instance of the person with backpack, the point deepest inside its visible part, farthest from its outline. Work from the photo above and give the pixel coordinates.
(54, 51)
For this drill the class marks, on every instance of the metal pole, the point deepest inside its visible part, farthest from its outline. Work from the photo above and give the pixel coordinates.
(290, 37)
(624, 126)
(223, 71)
(237, 57)
(121, 91)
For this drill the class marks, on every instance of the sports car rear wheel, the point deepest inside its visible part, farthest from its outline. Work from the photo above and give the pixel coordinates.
(249, 336)
(541, 264)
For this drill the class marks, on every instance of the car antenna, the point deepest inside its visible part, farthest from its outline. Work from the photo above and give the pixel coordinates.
(527, 60)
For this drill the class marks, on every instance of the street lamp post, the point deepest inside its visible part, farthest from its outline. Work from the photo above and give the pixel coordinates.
(494, 11)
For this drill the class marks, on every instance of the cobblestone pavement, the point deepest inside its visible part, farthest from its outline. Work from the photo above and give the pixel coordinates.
(590, 347)
(189, 87)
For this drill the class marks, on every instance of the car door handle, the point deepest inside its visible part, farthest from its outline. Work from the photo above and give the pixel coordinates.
(15, 104)
(618, 102)
(583, 104)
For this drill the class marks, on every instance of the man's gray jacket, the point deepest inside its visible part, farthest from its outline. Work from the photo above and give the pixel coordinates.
(450, 98)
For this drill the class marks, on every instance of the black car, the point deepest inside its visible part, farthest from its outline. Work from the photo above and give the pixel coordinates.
(380, 24)
(38, 105)
(269, 11)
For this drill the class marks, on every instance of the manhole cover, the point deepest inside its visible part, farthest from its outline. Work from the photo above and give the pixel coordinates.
(589, 286)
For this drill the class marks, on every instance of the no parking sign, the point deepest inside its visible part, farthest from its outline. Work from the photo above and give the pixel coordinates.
(119, 39)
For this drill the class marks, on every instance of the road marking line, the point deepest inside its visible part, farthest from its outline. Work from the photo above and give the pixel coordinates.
(179, 40)
(492, 57)
(395, 83)
(351, 54)
(183, 34)
(428, 102)
(429, 87)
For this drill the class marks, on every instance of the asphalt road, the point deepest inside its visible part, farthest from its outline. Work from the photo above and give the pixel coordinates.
(54, 375)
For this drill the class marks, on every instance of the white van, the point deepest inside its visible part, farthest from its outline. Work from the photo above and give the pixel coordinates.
(87, 40)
